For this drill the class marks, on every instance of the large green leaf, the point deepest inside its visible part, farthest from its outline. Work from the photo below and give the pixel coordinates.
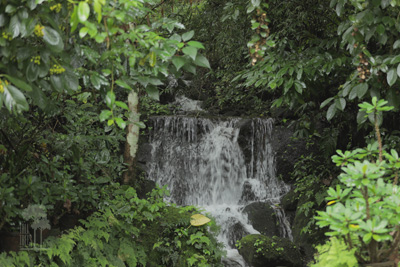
(57, 83)
(178, 62)
(14, 99)
(190, 51)
(153, 92)
(39, 98)
(15, 26)
(32, 72)
(331, 112)
(187, 36)
(361, 89)
(53, 39)
(202, 61)
(70, 81)
(391, 77)
(83, 11)
(340, 103)
(19, 83)
(196, 44)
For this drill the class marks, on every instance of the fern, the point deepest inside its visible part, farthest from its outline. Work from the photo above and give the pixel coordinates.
(334, 253)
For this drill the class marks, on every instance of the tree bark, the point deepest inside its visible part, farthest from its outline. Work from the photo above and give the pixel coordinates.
(132, 138)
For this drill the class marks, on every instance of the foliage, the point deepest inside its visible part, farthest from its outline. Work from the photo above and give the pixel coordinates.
(365, 212)
(52, 160)
(121, 234)
(328, 254)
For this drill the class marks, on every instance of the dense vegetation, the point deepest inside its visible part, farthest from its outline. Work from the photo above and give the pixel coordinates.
(75, 74)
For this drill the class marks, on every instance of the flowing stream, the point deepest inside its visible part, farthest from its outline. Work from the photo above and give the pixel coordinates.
(221, 165)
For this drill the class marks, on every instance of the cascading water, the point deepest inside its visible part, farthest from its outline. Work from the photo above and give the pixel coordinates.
(210, 163)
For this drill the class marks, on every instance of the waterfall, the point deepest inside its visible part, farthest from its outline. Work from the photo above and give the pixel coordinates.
(221, 165)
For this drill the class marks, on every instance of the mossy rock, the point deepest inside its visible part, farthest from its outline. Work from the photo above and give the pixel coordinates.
(263, 218)
(261, 251)
(290, 200)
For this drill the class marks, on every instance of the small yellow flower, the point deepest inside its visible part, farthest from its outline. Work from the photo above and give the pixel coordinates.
(56, 69)
(1, 86)
(331, 202)
(36, 60)
(39, 30)
(56, 7)
(7, 36)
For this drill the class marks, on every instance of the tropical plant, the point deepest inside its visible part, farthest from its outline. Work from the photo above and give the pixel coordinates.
(364, 213)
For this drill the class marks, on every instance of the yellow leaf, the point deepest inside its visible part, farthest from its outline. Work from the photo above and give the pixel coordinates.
(354, 226)
(198, 220)
(331, 202)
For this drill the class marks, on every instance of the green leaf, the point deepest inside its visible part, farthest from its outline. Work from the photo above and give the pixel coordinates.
(97, 8)
(53, 39)
(123, 84)
(14, 26)
(105, 114)
(14, 99)
(196, 44)
(32, 72)
(326, 102)
(19, 83)
(70, 81)
(398, 70)
(83, 31)
(152, 59)
(396, 44)
(83, 11)
(178, 62)
(153, 92)
(380, 29)
(331, 112)
(57, 83)
(110, 99)
(187, 36)
(202, 61)
(120, 122)
(190, 51)
(40, 99)
(361, 89)
(340, 103)
(121, 105)
(391, 77)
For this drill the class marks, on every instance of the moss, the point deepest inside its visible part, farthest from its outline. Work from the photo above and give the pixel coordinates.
(259, 250)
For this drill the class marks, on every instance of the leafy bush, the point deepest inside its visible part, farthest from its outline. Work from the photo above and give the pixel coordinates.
(129, 231)
(365, 213)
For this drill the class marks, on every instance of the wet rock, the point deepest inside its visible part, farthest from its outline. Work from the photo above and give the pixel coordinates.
(287, 151)
(262, 251)
(144, 187)
(248, 194)
(290, 200)
(144, 153)
(263, 218)
(236, 232)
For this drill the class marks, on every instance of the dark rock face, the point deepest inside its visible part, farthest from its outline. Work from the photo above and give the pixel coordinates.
(245, 130)
(247, 194)
(289, 201)
(287, 151)
(236, 232)
(263, 218)
(145, 187)
(263, 251)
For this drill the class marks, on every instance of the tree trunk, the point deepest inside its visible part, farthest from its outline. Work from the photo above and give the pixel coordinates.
(132, 138)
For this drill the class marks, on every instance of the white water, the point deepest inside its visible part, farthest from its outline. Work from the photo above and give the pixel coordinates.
(203, 164)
